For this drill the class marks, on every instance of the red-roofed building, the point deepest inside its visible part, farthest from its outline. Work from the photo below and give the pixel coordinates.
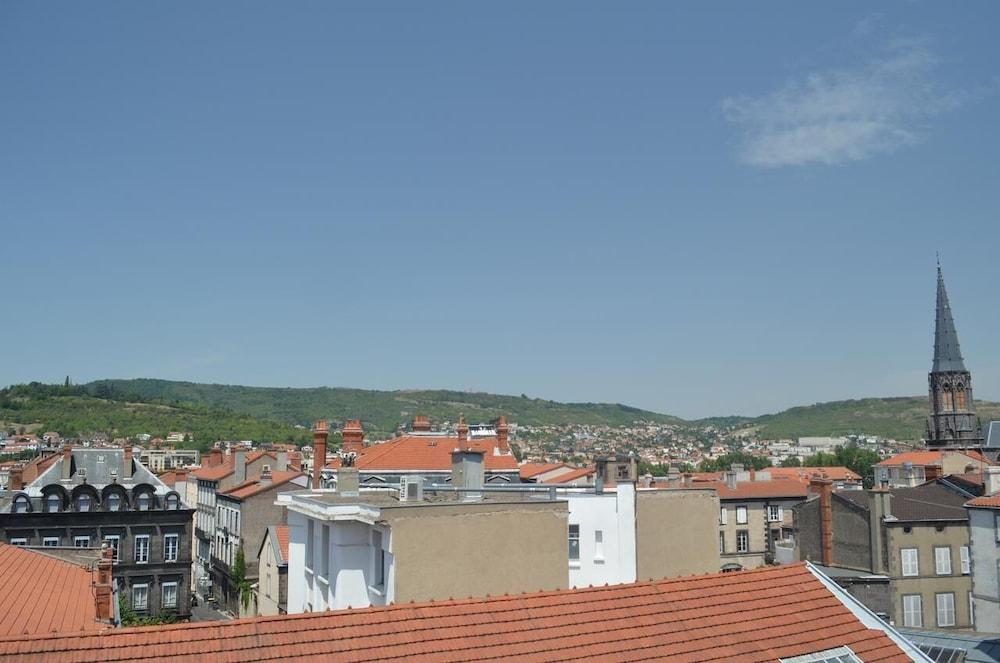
(245, 512)
(41, 594)
(272, 571)
(773, 614)
(913, 468)
(427, 454)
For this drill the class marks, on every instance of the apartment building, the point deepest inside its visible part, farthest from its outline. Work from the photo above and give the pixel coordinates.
(86, 497)
(984, 543)
(243, 515)
(271, 596)
(904, 552)
(161, 460)
(914, 468)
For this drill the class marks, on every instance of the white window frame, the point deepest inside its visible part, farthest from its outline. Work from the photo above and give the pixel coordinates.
(573, 535)
(966, 560)
(722, 543)
(912, 568)
(18, 541)
(942, 560)
(945, 613)
(167, 538)
(722, 516)
(598, 545)
(773, 514)
(78, 539)
(116, 546)
(910, 611)
(163, 595)
(50, 541)
(144, 548)
(379, 572)
(745, 538)
(144, 586)
(742, 515)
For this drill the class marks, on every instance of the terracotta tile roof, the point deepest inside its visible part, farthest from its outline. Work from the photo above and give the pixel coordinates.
(282, 533)
(750, 490)
(929, 457)
(529, 470)
(227, 467)
(41, 594)
(571, 476)
(254, 486)
(986, 501)
(759, 615)
(426, 452)
(806, 473)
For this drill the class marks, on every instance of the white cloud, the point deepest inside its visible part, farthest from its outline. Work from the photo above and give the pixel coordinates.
(843, 115)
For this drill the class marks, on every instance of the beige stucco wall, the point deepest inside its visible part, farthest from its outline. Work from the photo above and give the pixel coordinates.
(925, 538)
(676, 533)
(443, 552)
(268, 583)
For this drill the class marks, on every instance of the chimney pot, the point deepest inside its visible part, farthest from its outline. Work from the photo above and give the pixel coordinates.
(503, 431)
(354, 436)
(463, 430)
(421, 424)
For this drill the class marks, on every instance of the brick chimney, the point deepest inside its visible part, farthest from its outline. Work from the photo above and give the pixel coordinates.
(103, 594)
(16, 481)
(421, 424)
(67, 462)
(463, 431)
(502, 432)
(295, 460)
(321, 431)
(932, 472)
(824, 488)
(354, 436)
(879, 510)
(127, 463)
(215, 458)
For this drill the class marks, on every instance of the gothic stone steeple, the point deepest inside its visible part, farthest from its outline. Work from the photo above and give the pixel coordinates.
(953, 421)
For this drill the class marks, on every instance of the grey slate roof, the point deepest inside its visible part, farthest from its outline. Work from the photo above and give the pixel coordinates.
(929, 501)
(947, 353)
(993, 435)
(976, 647)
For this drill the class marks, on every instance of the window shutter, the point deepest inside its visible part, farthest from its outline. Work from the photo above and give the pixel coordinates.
(722, 515)
(781, 515)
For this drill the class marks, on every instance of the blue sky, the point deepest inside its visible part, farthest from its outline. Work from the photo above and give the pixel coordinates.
(700, 208)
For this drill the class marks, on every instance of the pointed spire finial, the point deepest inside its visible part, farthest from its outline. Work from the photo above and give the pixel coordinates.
(947, 354)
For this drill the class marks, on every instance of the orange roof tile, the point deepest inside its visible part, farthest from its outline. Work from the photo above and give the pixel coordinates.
(986, 501)
(529, 470)
(748, 490)
(759, 615)
(806, 473)
(282, 533)
(426, 452)
(227, 467)
(930, 457)
(255, 486)
(41, 594)
(571, 476)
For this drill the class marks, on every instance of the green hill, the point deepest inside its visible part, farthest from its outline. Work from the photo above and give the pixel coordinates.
(379, 411)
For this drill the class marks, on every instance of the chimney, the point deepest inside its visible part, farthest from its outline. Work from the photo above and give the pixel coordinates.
(282, 463)
(354, 436)
(731, 479)
(103, 595)
(67, 462)
(932, 472)
(295, 461)
(991, 480)
(879, 510)
(602, 477)
(467, 471)
(421, 424)
(215, 458)
(463, 431)
(240, 465)
(265, 474)
(127, 463)
(16, 481)
(824, 487)
(502, 434)
(348, 482)
(321, 431)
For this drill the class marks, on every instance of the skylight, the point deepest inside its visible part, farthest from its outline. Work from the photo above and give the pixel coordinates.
(835, 655)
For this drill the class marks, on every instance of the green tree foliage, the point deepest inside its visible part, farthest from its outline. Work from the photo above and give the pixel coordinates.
(237, 574)
(128, 616)
(723, 463)
(653, 469)
(850, 456)
(791, 461)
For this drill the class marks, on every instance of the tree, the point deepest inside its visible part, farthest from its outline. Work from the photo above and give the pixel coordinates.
(791, 461)
(238, 576)
(723, 463)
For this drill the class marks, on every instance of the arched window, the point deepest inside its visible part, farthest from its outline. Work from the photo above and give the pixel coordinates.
(960, 399)
(173, 502)
(53, 503)
(83, 502)
(113, 501)
(22, 504)
(144, 501)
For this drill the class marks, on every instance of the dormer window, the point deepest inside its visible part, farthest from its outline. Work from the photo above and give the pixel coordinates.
(173, 502)
(114, 502)
(83, 502)
(144, 501)
(22, 504)
(53, 504)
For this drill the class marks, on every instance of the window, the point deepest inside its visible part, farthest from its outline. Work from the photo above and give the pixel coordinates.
(310, 543)
(913, 611)
(18, 541)
(83, 502)
(773, 514)
(50, 541)
(945, 609)
(598, 544)
(835, 655)
(168, 593)
(911, 566)
(742, 541)
(22, 504)
(722, 516)
(114, 502)
(173, 502)
(722, 542)
(574, 542)
(964, 555)
(114, 540)
(741, 515)
(53, 503)
(170, 545)
(140, 597)
(972, 611)
(142, 549)
(997, 526)
(378, 560)
(81, 541)
(324, 552)
(144, 501)
(942, 561)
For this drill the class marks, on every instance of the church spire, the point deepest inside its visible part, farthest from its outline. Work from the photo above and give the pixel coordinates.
(947, 353)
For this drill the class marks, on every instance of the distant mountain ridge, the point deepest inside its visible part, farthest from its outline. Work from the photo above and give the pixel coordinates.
(382, 411)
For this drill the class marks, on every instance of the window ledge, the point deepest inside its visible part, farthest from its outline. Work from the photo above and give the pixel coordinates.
(598, 560)
(575, 564)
